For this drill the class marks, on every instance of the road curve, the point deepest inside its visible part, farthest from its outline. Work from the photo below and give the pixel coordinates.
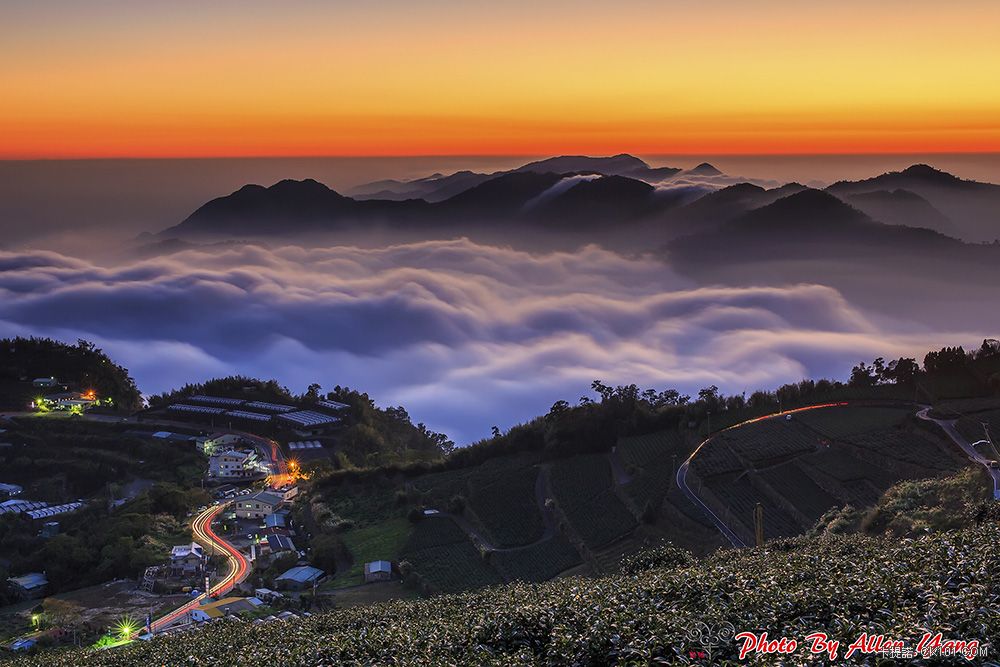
(682, 471)
(238, 566)
(948, 426)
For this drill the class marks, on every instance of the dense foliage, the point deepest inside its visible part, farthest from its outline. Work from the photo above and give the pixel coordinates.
(842, 585)
(81, 366)
(372, 436)
(98, 544)
(916, 507)
(63, 460)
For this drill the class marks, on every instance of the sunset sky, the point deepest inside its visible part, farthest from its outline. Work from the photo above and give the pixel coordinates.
(440, 77)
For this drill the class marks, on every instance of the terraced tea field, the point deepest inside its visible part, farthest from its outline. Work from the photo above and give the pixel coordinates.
(850, 449)
(537, 562)
(789, 481)
(508, 509)
(840, 422)
(582, 486)
(741, 498)
(441, 553)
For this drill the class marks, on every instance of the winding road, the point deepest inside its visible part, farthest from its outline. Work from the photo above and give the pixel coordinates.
(682, 471)
(948, 426)
(237, 564)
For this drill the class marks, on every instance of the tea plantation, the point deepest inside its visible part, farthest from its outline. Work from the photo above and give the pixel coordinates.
(841, 585)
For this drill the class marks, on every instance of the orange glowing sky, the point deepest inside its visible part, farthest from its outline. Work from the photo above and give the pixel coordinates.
(436, 77)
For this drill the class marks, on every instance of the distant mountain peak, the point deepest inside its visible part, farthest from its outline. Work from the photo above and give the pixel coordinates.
(303, 186)
(927, 172)
(807, 207)
(704, 169)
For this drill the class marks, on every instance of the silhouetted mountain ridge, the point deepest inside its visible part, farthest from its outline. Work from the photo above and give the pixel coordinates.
(585, 200)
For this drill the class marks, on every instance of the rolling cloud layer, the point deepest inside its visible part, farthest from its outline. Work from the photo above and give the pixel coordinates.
(463, 335)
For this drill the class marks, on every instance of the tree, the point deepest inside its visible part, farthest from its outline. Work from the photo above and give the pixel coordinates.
(62, 613)
(903, 371)
(863, 375)
(328, 551)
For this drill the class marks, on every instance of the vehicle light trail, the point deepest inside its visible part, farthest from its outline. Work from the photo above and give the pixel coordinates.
(239, 568)
(682, 471)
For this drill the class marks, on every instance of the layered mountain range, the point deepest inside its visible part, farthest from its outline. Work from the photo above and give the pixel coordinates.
(581, 196)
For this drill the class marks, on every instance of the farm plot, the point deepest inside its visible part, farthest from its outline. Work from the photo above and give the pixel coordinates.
(582, 486)
(643, 450)
(909, 447)
(794, 485)
(769, 440)
(508, 509)
(741, 498)
(443, 556)
(436, 489)
(651, 484)
(980, 425)
(840, 422)
(715, 458)
(538, 562)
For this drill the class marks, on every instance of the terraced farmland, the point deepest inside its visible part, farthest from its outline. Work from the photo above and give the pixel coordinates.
(840, 422)
(643, 450)
(977, 426)
(716, 457)
(538, 562)
(741, 498)
(445, 559)
(582, 486)
(768, 440)
(508, 508)
(794, 485)
(909, 447)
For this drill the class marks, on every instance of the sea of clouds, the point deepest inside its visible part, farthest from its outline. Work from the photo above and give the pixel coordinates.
(464, 335)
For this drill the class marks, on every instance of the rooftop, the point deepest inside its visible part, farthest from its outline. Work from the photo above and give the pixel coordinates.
(332, 405)
(251, 416)
(280, 543)
(308, 418)
(44, 512)
(184, 550)
(378, 566)
(302, 574)
(233, 605)
(268, 497)
(216, 400)
(30, 580)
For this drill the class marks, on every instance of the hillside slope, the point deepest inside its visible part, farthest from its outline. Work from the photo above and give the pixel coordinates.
(843, 586)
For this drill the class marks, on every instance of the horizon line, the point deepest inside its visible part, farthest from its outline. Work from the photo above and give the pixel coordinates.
(389, 156)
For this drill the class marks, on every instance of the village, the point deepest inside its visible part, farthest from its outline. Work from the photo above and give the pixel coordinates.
(248, 554)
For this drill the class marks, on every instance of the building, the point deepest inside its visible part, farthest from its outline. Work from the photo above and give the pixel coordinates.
(29, 586)
(45, 383)
(18, 505)
(259, 505)
(187, 559)
(49, 529)
(218, 441)
(308, 422)
(280, 543)
(53, 510)
(233, 606)
(266, 594)
(336, 406)
(8, 490)
(276, 520)
(288, 492)
(231, 464)
(299, 578)
(378, 570)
